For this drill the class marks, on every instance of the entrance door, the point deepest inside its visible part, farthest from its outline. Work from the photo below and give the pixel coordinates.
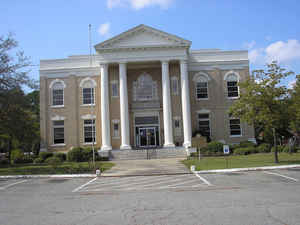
(147, 136)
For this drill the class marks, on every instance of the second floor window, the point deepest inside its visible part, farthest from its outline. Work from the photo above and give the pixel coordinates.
(58, 94)
(114, 89)
(88, 96)
(201, 85)
(232, 85)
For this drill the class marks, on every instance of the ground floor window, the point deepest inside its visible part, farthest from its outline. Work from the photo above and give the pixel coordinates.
(58, 132)
(177, 127)
(204, 124)
(235, 127)
(89, 131)
(116, 132)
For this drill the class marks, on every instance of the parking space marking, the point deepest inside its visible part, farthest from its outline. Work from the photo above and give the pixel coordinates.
(280, 175)
(9, 185)
(82, 186)
(203, 179)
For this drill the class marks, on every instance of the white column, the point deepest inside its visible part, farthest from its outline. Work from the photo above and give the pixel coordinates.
(125, 144)
(186, 108)
(105, 120)
(167, 109)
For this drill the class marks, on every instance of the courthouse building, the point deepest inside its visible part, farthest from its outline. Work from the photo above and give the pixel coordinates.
(144, 88)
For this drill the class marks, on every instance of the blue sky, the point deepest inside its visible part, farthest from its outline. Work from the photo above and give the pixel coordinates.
(56, 29)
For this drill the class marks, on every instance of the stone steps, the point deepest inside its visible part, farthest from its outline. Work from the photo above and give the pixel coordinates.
(160, 153)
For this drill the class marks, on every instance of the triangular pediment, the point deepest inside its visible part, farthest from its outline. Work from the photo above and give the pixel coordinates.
(142, 36)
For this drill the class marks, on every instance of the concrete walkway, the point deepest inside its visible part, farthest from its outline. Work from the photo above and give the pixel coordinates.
(147, 167)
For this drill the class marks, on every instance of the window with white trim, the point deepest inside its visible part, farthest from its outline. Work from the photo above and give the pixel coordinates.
(235, 127)
(89, 131)
(232, 86)
(88, 91)
(58, 94)
(204, 124)
(88, 96)
(114, 88)
(201, 86)
(116, 132)
(174, 85)
(58, 132)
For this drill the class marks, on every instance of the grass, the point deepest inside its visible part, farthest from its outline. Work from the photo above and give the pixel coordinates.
(244, 161)
(64, 168)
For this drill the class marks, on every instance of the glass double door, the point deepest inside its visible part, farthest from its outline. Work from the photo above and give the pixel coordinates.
(147, 136)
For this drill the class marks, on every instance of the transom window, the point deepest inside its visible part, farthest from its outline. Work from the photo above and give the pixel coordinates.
(89, 131)
(58, 132)
(235, 127)
(232, 85)
(204, 124)
(144, 89)
(58, 94)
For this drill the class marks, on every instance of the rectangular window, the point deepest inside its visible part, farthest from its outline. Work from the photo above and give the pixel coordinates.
(177, 128)
(235, 127)
(58, 132)
(89, 131)
(116, 129)
(88, 96)
(114, 89)
(58, 97)
(201, 90)
(174, 86)
(233, 89)
(204, 124)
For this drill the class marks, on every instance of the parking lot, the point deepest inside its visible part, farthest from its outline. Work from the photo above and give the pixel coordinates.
(260, 197)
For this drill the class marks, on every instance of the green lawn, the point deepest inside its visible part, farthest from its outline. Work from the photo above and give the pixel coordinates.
(65, 168)
(238, 161)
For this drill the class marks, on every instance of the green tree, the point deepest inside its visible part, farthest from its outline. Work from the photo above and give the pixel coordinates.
(294, 110)
(262, 100)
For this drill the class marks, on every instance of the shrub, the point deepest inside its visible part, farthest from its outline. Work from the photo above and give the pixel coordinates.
(16, 156)
(27, 159)
(45, 155)
(53, 161)
(280, 148)
(245, 151)
(4, 161)
(215, 147)
(61, 155)
(75, 155)
(87, 154)
(38, 160)
(262, 148)
(246, 144)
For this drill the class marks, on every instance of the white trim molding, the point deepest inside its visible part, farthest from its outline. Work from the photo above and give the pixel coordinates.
(199, 74)
(232, 72)
(88, 117)
(57, 81)
(83, 81)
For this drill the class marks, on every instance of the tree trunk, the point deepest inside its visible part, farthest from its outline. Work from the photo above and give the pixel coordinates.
(275, 146)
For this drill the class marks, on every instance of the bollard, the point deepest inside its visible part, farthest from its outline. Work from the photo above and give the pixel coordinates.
(192, 168)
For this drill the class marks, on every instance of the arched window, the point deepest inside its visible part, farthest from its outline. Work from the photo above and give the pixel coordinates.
(232, 79)
(144, 89)
(201, 85)
(57, 92)
(88, 91)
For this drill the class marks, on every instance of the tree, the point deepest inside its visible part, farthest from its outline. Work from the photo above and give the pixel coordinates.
(262, 100)
(294, 110)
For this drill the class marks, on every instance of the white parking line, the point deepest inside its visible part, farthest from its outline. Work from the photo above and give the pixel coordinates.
(178, 184)
(203, 179)
(82, 186)
(9, 185)
(280, 175)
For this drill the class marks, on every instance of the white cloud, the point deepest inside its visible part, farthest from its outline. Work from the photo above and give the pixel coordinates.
(283, 51)
(280, 51)
(139, 4)
(249, 45)
(104, 29)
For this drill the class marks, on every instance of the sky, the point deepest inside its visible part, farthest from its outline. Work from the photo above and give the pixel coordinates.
(52, 29)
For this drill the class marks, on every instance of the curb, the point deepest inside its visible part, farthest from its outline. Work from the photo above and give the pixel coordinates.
(48, 176)
(247, 169)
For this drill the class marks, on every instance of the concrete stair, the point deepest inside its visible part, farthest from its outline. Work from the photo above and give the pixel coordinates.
(158, 153)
